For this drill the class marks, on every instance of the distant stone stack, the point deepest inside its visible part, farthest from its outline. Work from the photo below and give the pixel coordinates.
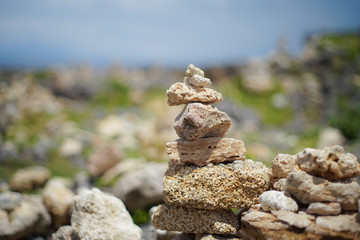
(208, 174)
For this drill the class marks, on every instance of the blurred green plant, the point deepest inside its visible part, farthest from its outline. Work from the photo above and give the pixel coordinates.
(140, 216)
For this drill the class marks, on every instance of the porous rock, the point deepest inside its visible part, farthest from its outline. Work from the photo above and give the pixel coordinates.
(59, 201)
(283, 164)
(192, 220)
(324, 208)
(9, 200)
(64, 233)
(27, 218)
(291, 218)
(143, 187)
(275, 200)
(308, 189)
(26, 179)
(181, 93)
(198, 120)
(197, 81)
(101, 216)
(216, 186)
(331, 163)
(206, 150)
(192, 70)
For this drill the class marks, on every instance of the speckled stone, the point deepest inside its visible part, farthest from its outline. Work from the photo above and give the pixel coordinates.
(205, 150)
(191, 220)
(198, 120)
(181, 93)
(216, 186)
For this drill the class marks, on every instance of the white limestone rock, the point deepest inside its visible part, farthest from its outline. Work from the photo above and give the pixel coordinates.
(275, 200)
(297, 220)
(324, 209)
(192, 70)
(197, 81)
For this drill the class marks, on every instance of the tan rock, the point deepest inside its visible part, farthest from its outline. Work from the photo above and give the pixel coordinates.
(192, 70)
(291, 218)
(181, 93)
(192, 220)
(331, 163)
(205, 150)
(280, 184)
(324, 209)
(198, 121)
(27, 179)
(197, 81)
(216, 186)
(308, 189)
(283, 164)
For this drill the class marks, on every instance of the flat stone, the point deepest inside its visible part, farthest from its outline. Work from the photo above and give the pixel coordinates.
(275, 200)
(324, 209)
(205, 150)
(216, 186)
(102, 216)
(192, 220)
(26, 179)
(181, 93)
(331, 163)
(283, 164)
(308, 189)
(198, 121)
(293, 219)
(197, 81)
(192, 70)
(9, 200)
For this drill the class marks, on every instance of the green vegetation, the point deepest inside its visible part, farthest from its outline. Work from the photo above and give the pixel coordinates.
(140, 216)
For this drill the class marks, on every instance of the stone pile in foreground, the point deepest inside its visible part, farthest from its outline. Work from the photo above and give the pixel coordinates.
(208, 174)
(317, 198)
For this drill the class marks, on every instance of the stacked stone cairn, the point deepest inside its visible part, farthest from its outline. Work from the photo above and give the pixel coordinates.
(208, 176)
(316, 197)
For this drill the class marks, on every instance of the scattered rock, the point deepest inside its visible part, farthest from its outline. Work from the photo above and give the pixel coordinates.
(10, 200)
(64, 233)
(181, 93)
(27, 179)
(308, 189)
(331, 163)
(192, 220)
(192, 70)
(143, 187)
(100, 216)
(282, 165)
(71, 147)
(198, 120)
(216, 186)
(293, 219)
(275, 200)
(324, 209)
(197, 81)
(329, 137)
(59, 201)
(29, 217)
(110, 126)
(206, 150)
(82, 181)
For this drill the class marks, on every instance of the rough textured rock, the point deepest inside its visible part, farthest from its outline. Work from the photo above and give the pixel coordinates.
(64, 233)
(279, 185)
(308, 189)
(27, 179)
(275, 200)
(324, 209)
(59, 201)
(192, 70)
(100, 216)
(192, 220)
(9, 200)
(218, 237)
(216, 186)
(29, 217)
(198, 120)
(206, 150)
(336, 227)
(181, 93)
(143, 187)
(102, 158)
(293, 219)
(283, 164)
(331, 163)
(197, 81)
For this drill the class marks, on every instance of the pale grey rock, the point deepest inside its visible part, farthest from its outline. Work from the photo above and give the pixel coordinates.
(198, 121)
(27, 179)
(279, 185)
(101, 216)
(329, 137)
(291, 218)
(275, 200)
(331, 163)
(27, 218)
(192, 70)
(64, 233)
(308, 189)
(151, 233)
(197, 81)
(324, 209)
(9, 200)
(143, 187)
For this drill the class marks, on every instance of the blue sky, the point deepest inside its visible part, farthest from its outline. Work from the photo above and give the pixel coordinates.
(172, 33)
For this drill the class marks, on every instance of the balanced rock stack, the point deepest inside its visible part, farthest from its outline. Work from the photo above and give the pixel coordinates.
(317, 198)
(208, 174)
